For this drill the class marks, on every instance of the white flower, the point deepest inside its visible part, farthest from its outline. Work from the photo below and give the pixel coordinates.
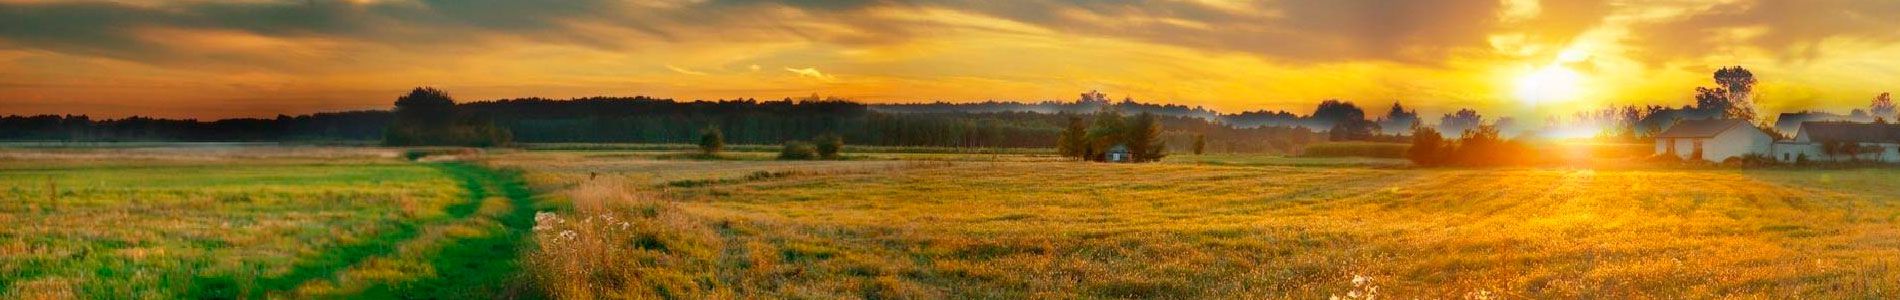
(569, 234)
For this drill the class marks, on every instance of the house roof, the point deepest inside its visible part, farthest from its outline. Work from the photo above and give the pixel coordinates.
(1849, 132)
(1701, 128)
(1791, 122)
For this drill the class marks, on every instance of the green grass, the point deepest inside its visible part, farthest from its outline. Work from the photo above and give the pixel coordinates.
(1356, 149)
(775, 148)
(252, 228)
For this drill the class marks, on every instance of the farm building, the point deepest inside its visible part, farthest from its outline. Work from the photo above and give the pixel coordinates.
(1713, 140)
(1118, 153)
(1841, 141)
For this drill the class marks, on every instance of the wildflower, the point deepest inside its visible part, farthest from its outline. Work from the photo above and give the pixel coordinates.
(569, 234)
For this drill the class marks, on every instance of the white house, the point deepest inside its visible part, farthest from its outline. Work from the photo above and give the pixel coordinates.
(1713, 140)
(1842, 141)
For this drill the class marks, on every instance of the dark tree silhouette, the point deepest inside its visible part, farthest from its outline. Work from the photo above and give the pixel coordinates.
(427, 116)
(1459, 122)
(1398, 119)
(425, 107)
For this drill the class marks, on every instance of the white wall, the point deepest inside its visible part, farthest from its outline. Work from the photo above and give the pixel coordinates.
(1889, 152)
(1793, 151)
(1737, 141)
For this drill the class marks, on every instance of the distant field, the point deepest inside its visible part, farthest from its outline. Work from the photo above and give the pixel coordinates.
(775, 148)
(1356, 149)
(1213, 227)
(184, 223)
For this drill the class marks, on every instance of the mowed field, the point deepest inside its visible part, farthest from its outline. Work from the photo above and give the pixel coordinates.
(1207, 227)
(255, 223)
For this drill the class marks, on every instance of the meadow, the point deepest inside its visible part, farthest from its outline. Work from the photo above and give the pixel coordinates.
(316, 222)
(226, 223)
(1208, 227)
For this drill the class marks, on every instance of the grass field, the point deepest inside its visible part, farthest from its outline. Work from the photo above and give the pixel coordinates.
(198, 224)
(1218, 227)
(361, 223)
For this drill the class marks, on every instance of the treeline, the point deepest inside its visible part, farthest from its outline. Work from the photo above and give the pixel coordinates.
(338, 126)
(642, 120)
(1327, 115)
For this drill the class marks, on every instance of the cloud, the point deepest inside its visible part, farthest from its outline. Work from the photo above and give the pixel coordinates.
(685, 71)
(1295, 31)
(813, 73)
(1794, 30)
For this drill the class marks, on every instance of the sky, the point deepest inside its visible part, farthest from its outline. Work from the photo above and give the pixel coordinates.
(259, 58)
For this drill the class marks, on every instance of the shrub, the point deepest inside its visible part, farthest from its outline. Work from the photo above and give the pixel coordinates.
(829, 145)
(414, 154)
(797, 150)
(1750, 161)
(711, 141)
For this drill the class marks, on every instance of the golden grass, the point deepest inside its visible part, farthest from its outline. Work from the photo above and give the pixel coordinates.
(1194, 230)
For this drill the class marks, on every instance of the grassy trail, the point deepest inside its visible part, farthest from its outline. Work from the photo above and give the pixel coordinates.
(480, 267)
(472, 253)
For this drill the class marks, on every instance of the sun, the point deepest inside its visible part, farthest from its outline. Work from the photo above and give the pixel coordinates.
(1553, 83)
(1549, 85)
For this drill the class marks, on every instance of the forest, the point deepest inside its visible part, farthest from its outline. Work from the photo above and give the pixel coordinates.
(655, 120)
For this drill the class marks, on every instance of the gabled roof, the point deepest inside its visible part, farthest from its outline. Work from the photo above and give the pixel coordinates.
(1849, 132)
(1701, 128)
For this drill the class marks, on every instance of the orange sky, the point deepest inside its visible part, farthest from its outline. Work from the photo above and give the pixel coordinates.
(230, 58)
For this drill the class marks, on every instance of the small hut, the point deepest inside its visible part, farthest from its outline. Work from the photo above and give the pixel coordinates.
(1118, 153)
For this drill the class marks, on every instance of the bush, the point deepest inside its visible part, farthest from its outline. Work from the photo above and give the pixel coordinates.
(796, 150)
(1357, 149)
(829, 145)
(1426, 143)
(1751, 161)
(711, 141)
(414, 154)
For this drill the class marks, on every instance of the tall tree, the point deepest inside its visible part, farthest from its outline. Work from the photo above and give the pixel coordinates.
(1459, 122)
(1398, 119)
(1108, 131)
(427, 116)
(1144, 138)
(1074, 140)
(1200, 143)
(425, 108)
(1739, 85)
(1882, 107)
